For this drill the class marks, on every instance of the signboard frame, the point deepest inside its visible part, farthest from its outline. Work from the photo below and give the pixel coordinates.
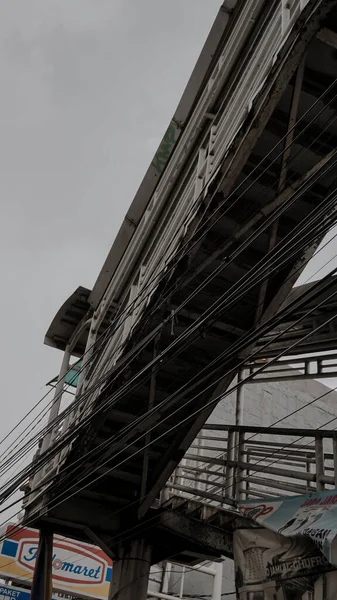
(79, 569)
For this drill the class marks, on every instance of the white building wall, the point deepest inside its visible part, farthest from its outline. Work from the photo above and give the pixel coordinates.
(266, 403)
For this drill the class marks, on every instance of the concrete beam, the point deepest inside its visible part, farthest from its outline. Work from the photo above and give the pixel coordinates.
(75, 513)
(209, 540)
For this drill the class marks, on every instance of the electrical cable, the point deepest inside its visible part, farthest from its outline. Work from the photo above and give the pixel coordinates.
(307, 112)
(323, 266)
(276, 461)
(157, 438)
(319, 251)
(194, 495)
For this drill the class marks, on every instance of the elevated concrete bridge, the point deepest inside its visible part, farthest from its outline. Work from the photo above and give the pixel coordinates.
(199, 280)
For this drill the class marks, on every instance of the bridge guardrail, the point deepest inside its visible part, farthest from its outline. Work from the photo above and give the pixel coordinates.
(227, 463)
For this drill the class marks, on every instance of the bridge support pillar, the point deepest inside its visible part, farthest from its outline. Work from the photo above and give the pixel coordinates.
(131, 572)
(42, 580)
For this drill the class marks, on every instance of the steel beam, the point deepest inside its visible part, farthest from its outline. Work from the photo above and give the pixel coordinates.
(312, 367)
(181, 443)
(151, 402)
(288, 60)
(239, 403)
(319, 454)
(284, 170)
(287, 431)
(242, 232)
(179, 446)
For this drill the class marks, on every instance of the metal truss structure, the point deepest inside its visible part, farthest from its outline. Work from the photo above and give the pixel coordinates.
(230, 463)
(199, 286)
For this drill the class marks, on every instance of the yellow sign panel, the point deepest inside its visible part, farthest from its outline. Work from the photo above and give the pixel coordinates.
(79, 569)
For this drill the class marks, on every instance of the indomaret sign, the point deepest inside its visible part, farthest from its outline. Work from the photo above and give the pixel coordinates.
(80, 569)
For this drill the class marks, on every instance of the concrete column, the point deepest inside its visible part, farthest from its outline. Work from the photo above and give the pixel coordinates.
(130, 576)
(42, 580)
(217, 582)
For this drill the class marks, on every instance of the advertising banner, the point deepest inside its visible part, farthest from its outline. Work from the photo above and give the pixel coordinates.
(80, 569)
(271, 567)
(312, 516)
(10, 592)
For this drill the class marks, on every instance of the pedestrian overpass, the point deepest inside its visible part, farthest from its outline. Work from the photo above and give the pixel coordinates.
(199, 285)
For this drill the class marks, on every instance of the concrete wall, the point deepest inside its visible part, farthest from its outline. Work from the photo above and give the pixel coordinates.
(263, 405)
(266, 403)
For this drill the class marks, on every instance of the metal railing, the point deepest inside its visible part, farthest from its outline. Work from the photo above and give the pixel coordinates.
(227, 463)
(214, 570)
(296, 369)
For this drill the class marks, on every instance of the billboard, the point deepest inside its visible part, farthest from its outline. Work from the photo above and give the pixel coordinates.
(312, 516)
(269, 566)
(80, 569)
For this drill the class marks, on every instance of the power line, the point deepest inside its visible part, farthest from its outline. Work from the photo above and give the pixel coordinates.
(273, 463)
(323, 266)
(136, 453)
(307, 261)
(303, 116)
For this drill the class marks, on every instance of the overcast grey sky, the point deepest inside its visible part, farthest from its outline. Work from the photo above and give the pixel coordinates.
(87, 90)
